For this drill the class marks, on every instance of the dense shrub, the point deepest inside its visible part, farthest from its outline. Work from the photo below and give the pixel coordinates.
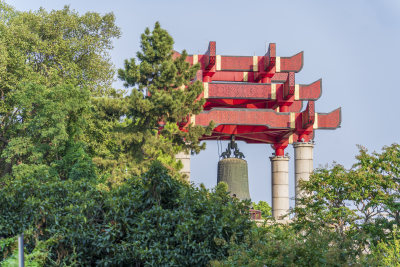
(348, 217)
(149, 221)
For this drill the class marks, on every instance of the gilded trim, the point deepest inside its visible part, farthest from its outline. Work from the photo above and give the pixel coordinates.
(255, 63)
(315, 126)
(205, 85)
(291, 138)
(273, 91)
(278, 64)
(193, 119)
(292, 120)
(296, 92)
(218, 62)
(245, 76)
(195, 59)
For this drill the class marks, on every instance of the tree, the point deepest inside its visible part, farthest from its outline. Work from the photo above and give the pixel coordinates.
(163, 96)
(153, 220)
(120, 133)
(347, 217)
(52, 65)
(60, 46)
(265, 209)
(277, 244)
(45, 135)
(361, 203)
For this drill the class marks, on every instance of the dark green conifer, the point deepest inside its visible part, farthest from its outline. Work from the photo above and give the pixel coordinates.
(163, 94)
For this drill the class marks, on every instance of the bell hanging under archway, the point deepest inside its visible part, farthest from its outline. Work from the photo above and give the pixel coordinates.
(234, 172)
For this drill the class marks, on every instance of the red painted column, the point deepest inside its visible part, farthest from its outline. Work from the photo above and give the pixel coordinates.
(207, 78)
(280, 149)
(283, 108)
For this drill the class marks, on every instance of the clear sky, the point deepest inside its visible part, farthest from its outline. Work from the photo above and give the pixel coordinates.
(353, 45)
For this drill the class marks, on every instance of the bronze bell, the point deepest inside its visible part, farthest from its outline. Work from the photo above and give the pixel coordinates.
(234, 172)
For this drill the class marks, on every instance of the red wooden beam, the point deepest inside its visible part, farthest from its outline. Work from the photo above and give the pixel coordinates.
(290, 64)
(240, 76)
(238, 90)
(237, 63)
(232, 116)
(296, 106)
(278, 126)
(311, 91)
(330, 120)
(271, 119)
(234, 76)
(273, 94)
(269, 63)
(263, 90)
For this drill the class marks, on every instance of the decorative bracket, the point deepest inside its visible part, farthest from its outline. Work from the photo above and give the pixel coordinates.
(232, 146)
(210, 55)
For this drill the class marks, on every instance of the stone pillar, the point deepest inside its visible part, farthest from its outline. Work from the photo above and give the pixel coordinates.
(280, 186)
(185, 158)
(303, 163)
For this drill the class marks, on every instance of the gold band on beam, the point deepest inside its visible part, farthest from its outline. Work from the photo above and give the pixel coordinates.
(278, 64)
(193, 119)
(255, 63)
(245, 76)
(292, 120)
(195, 59)
(315, 126)
(273, 91)
(205, 85)
(218, 62)
(296, 92)
(291, 138)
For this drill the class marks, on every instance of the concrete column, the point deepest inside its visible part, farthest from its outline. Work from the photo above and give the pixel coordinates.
(303, 163)
(185, 158)
(280, 186)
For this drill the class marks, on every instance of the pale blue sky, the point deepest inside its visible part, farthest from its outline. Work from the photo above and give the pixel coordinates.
(352, 45)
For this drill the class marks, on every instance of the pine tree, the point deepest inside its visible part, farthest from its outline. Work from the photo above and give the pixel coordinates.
(163, 96)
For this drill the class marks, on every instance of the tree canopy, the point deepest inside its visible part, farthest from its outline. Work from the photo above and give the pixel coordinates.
(347, 217)
(52, 65)
(58, 100)
(153, 220)
(163, 96)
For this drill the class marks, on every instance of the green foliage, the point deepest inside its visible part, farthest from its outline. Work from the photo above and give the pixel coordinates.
(154, 220)
(55, 47)
(162, 96)
(386, 253)
(52, 64)
(88, 172)
(345, 218)
(264, 207)
(281, 245)
(55, 72)
(77, 163)
(107, 139)
(47, 121)
(360, 203)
